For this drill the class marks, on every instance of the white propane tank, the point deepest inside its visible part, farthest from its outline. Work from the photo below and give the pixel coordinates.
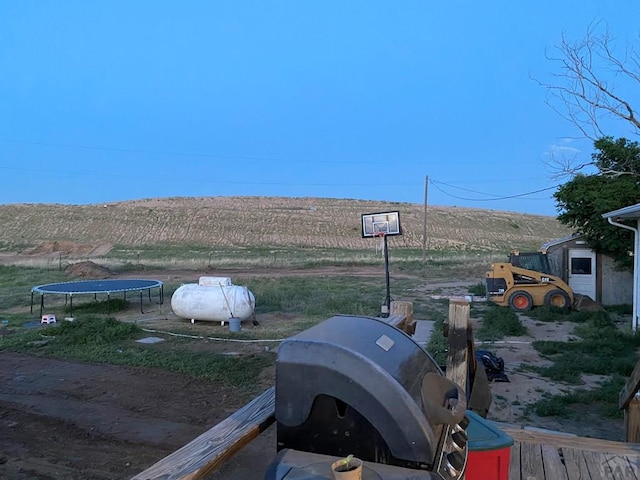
(211, 302)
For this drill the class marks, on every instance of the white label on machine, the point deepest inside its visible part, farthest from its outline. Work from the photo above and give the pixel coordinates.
(385, 343)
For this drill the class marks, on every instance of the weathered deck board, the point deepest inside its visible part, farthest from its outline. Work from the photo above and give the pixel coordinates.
(553, 465)
(570, 441)
(577, 468)
(622, 467)
(531, 462)
(543, 456)
(514, 460)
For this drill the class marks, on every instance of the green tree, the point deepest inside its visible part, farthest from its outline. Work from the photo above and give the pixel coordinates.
(582, 201)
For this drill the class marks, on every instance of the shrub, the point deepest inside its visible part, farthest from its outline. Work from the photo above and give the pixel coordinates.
(479, 288)
(499, 322)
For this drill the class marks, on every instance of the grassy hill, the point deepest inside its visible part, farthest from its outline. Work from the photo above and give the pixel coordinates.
(267, 221)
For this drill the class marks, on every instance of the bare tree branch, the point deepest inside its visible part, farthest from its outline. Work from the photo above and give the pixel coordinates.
(586, 98)
(564, 164)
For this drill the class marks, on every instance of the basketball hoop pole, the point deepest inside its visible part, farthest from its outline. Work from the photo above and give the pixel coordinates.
(387, 299)
(382, 224)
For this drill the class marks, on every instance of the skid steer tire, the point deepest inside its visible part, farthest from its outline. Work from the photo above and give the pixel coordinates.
(520, 301)
(557, 298)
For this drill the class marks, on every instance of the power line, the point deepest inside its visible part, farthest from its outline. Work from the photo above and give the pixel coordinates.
(495, 197)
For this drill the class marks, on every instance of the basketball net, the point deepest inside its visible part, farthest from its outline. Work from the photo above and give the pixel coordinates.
(380, 244)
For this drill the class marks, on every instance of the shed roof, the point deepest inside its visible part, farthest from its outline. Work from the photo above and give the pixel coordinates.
(558, 241)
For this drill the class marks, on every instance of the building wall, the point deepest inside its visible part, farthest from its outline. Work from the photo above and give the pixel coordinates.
(557, 263)
(617, 286)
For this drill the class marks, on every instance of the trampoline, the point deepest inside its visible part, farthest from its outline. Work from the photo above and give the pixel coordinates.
(95, 287)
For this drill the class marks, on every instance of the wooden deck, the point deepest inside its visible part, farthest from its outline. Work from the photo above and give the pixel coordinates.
(535, 455)
(548, 456)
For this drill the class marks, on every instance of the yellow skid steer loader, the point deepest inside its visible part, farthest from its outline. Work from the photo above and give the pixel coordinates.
(522, 289)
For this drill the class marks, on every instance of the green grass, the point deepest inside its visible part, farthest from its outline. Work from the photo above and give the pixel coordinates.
(227, 257)
(111, 306)
(548, 313)
(602, 349)
(498, 322)
(317, 297)
(438, 343)
(100, 340)
(602, 401)
(479, 288)
(16, 284)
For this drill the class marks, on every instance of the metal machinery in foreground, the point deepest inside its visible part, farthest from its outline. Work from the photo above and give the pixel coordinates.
(525, 282)
(357, 385)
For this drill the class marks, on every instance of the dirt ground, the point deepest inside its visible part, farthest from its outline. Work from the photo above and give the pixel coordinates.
(75, 421)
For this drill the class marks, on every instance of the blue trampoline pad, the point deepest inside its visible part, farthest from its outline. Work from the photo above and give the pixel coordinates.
(97, 286)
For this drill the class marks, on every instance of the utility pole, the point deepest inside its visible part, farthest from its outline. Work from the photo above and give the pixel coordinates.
(424, 230)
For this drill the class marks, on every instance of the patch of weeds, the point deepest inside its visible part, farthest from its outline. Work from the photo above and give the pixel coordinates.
(16, 283)
(109, 341)
(91, 331)
(620, 309)
(549, 313)
(479, 289)
(602, 349)
(499, 322)
(112, 305)
(316, 297)
(438, 343)
(11, 321)
(602, 401)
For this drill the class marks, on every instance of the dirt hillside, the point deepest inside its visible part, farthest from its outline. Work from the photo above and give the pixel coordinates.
(268, 221)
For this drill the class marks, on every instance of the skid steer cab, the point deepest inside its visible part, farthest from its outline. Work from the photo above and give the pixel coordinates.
(522, 289)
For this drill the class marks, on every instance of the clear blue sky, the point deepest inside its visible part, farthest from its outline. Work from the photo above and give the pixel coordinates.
(117, 100)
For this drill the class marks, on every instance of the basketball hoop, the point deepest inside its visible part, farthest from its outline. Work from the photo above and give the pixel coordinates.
(382, 225)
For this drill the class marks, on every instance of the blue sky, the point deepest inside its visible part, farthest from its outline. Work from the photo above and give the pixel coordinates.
(119, 100)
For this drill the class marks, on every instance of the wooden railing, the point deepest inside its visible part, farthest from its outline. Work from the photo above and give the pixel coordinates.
(629, 402)
(206, 453)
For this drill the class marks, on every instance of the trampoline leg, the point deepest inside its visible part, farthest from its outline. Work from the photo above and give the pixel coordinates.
(108, 304)
(71, 306)
(41, 304)
(141, 311)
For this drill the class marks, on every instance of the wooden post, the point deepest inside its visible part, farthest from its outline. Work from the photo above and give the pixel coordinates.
(457, 333)
(404, 309)
(631, 405)
(457, 358)
(632, 421)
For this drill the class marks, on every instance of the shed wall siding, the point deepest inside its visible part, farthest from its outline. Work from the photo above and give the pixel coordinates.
(617, 286)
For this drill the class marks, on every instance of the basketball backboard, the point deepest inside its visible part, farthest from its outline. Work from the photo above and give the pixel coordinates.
(383, 223)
